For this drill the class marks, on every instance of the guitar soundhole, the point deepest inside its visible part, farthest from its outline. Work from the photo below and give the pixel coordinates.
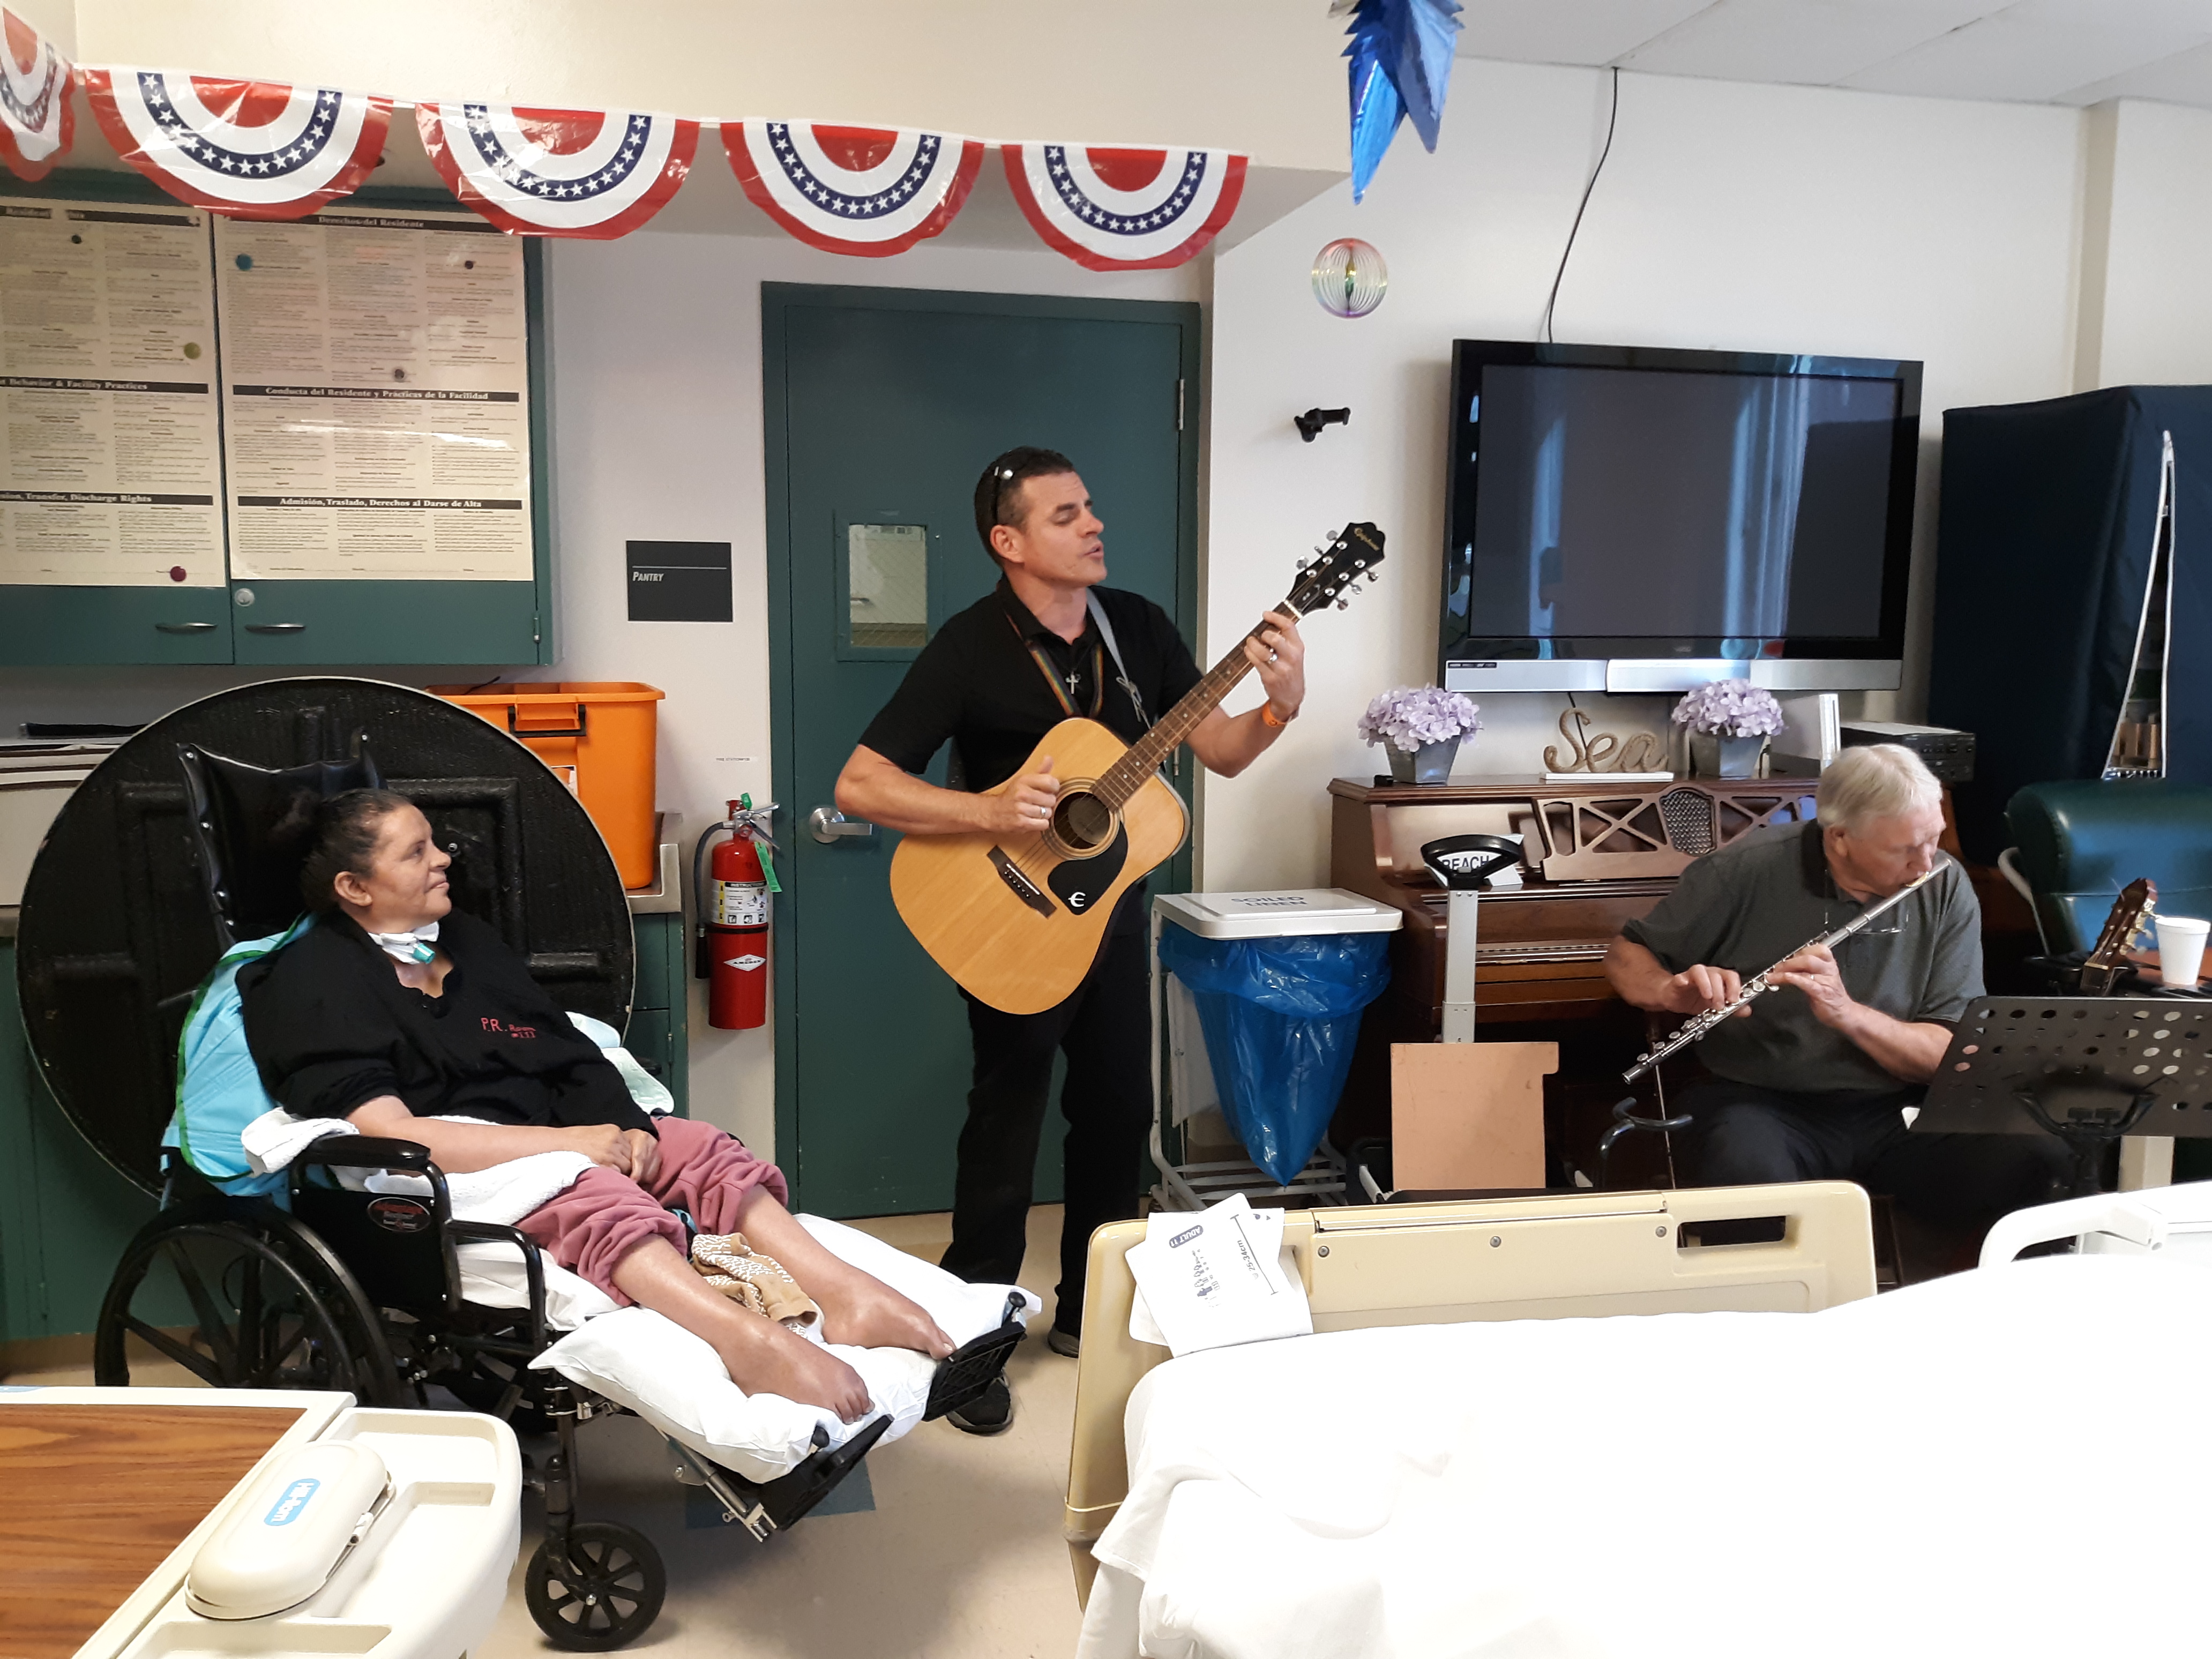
(1081, 822)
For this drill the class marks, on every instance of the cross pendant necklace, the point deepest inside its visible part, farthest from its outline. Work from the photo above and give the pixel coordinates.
(1074, 675)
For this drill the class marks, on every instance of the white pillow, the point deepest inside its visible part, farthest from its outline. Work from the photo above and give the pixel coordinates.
(676, 1382)
(493, 1276)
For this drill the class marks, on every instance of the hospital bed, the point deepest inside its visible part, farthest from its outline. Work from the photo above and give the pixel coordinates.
(192, 1522)
(1469, 1458)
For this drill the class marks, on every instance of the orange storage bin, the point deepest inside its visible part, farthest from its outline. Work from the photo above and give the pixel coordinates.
(600, 736)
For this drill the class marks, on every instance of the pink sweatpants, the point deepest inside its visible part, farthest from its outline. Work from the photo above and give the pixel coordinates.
(591, 1227)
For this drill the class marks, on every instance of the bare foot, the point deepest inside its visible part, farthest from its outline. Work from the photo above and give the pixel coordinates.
(863, 1311)
(769, 1359)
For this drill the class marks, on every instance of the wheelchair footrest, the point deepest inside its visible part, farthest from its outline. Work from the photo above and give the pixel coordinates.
(963, 1373)
(790, 1496)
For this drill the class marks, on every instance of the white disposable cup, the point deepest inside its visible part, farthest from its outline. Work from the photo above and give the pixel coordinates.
(2181, 949)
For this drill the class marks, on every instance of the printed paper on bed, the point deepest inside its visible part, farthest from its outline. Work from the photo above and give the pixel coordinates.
(1214, 1280)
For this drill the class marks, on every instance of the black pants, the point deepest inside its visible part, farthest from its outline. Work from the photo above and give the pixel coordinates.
(1106, 1029)
(1745, 1135)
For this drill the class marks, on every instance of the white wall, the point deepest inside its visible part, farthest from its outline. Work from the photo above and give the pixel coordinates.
(2153, 326)
(1729, 216)
(658, 434)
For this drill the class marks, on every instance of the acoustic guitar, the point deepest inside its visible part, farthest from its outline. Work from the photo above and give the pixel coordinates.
(2107, 960)
(1018, 920)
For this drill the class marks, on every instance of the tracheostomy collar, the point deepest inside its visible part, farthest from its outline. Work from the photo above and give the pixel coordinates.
(415, 945)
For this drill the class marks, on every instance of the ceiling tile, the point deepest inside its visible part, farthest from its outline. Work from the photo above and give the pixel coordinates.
(2037, 50)
(1813, 42)
(2184, 78)
(1580, 32)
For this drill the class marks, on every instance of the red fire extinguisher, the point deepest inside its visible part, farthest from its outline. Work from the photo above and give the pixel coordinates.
(733, 917)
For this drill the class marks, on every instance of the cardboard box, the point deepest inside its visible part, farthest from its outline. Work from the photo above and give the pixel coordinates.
(1469, 1115)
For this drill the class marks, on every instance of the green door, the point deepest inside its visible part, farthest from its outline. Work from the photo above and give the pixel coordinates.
(883, 406)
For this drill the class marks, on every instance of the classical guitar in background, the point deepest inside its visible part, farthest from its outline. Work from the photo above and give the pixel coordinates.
(1018, 920)
(2107, 962)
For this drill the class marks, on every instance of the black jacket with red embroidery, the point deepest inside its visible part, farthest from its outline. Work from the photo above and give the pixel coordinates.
(331, 1027)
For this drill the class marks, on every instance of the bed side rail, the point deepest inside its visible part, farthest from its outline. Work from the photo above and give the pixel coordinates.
(1798, 1247)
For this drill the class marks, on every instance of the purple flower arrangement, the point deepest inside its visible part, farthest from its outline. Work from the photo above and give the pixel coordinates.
(1730, 708)
(1409, 717)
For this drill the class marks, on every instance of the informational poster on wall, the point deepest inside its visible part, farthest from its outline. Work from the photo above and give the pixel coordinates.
(111, 469)
(376, 397)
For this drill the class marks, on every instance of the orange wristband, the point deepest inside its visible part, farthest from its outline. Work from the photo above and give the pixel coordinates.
(1268, 716)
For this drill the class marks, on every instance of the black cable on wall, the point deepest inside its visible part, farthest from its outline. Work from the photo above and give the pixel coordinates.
(1612, 120)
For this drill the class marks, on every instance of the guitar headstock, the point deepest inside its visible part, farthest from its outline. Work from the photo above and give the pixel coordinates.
(2136, 904)
(1351, 555)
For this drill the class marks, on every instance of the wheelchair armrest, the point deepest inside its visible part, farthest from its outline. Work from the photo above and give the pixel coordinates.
(533, 1262)
(367, 1152)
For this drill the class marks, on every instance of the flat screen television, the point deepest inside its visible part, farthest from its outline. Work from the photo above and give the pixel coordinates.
(1631, 518)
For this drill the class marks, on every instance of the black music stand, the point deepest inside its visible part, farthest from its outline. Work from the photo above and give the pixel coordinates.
(2087, 1069)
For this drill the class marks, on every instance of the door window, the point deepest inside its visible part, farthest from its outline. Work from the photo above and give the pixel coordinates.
(886, 588)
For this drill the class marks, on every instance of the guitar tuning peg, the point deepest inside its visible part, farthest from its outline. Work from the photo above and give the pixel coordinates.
(1344, 604)
(1302, 563)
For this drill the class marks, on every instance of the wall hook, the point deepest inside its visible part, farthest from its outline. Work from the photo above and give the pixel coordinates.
(1310, 423)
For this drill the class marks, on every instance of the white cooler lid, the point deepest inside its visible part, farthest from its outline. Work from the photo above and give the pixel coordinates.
(1276, 913)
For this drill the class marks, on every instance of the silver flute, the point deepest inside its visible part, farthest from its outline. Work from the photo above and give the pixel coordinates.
(1760, 983)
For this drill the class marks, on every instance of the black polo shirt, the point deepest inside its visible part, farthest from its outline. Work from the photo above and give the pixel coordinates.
(977, 685)
(1757, 900)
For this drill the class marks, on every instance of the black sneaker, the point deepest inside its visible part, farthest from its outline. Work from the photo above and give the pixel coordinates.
(991, 1412)
(1066, 1343)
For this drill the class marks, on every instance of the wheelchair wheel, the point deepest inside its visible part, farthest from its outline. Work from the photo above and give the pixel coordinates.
(235, 1301)
(612, 1595)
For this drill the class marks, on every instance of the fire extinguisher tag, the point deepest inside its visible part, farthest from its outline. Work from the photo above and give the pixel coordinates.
(740, 904)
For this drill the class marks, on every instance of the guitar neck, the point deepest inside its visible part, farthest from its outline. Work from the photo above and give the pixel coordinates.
(1150, 752)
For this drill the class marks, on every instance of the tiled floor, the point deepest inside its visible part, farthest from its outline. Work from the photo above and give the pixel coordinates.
(960, 1555)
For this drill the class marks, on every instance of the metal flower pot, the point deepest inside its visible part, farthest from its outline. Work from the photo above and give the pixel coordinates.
(1430, 763)
(1712, 756)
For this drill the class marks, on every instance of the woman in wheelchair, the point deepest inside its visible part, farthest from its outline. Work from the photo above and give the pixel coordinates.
(401, 1015)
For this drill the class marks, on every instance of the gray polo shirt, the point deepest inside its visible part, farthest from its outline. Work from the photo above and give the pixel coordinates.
(1755, 901)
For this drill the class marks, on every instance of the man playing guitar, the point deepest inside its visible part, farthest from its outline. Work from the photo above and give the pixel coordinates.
(994, 680)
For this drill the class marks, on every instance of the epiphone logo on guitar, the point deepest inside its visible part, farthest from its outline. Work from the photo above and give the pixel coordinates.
(1017, 922)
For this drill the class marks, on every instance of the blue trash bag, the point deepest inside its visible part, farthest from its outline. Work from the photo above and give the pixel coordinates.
(1280, 1017)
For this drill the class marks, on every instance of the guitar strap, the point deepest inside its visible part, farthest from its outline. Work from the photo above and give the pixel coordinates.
(1113, 648)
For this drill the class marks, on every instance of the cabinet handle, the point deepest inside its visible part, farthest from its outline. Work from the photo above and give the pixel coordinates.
(185, 627)
(275, 628)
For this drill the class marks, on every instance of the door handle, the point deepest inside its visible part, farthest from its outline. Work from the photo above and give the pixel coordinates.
(185, 627)
(275, 628)
(827, 824)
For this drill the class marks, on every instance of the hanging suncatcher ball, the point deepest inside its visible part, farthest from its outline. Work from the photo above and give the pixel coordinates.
(1349, 277)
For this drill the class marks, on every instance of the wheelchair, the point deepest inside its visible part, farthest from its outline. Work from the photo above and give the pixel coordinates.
(159, 864)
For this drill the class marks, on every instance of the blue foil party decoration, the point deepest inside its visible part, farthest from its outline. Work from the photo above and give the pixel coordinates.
(1402, 63)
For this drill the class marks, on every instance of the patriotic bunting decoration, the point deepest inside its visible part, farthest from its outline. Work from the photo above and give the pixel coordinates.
(1112, 208)
(254, 149)
(868, 191)
(558, 172)
(36, 124)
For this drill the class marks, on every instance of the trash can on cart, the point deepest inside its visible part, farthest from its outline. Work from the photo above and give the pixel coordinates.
(1259, 995)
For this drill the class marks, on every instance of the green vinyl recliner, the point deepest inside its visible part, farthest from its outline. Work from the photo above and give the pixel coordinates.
(2076, 844)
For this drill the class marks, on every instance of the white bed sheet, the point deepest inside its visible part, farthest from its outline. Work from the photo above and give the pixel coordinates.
(1999, 1463)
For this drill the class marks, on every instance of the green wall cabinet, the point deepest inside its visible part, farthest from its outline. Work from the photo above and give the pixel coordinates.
(660, 1006)
(298, 624)
(64, 1214)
